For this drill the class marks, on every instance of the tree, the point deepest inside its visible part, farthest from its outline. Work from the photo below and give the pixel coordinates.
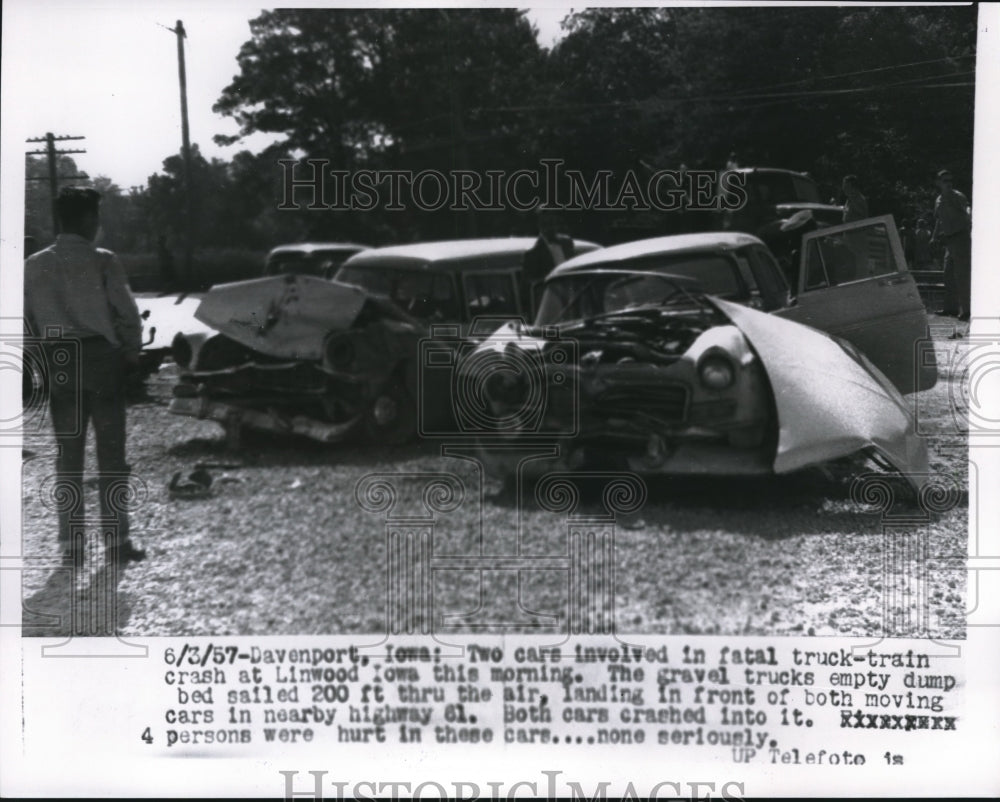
(873, 91)
(308, 74)
(404, 89)
(38, 196)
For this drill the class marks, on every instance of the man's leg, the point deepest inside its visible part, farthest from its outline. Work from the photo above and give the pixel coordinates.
(960, 248)
(108, 410)
(69, 409)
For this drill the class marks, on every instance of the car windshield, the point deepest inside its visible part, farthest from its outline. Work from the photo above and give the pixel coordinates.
(584, 295)
(589, 295)
(426, 295)
(783, 188)
(315, 263)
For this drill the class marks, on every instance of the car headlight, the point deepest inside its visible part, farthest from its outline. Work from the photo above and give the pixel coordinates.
(716, 372)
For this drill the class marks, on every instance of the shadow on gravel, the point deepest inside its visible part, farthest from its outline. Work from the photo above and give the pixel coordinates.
(74, 603)
(262, 450)
(774, 507)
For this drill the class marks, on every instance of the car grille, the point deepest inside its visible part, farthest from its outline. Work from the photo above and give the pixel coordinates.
(666, 402)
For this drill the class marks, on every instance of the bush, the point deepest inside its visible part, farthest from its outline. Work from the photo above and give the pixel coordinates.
(147, 273)
(220, 265)
(143, 271)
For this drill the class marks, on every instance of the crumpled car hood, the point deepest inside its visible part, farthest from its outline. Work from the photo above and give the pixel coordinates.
(831, 401)
(282, 316)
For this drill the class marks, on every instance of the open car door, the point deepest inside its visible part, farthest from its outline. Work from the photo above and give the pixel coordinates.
(853, 283)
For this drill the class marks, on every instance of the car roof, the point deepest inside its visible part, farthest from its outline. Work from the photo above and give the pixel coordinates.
(425, 254)
(310, 247)
(781, 170)
(712, 241)
(807, 205)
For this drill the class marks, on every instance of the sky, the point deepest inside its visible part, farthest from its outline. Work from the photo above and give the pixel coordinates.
(108, 71)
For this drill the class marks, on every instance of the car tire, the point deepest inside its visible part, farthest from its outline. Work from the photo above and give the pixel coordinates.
(391, 419)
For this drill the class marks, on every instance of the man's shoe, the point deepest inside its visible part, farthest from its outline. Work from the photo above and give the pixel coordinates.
(964, 317)
(125, 553)
(947, 312)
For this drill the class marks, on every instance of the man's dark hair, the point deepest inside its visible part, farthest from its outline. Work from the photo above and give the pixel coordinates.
(74, 204)
(851, 180)
(944, 175)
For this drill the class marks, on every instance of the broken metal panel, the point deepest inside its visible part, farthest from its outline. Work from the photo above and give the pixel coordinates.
(286, 316)
(831, 401)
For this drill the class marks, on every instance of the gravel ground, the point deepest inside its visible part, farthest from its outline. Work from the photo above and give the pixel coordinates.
(283, 546)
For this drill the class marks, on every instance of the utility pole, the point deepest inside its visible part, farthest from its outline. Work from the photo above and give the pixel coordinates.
(53, 178)
(459, 141)
(185, 152)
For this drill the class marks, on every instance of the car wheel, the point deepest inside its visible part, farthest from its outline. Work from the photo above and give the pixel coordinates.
(391, 418)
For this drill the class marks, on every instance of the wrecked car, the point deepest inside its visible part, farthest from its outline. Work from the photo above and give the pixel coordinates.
(330, 359)
(692, 355)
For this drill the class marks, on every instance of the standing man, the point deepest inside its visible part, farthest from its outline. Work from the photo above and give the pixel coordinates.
(74, 291)
(551, 249)
(953, 229)
(856, 204)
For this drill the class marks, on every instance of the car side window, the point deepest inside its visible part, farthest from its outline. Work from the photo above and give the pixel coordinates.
(815, 268)
(427, 295)
(491, 294)
(844, 256)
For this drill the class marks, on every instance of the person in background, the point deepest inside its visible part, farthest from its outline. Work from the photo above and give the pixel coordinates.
(550, 249)
(75, 293)
(856, 204)
(953, 230)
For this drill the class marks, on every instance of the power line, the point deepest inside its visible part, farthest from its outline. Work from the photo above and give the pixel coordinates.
(646, 102)
(855, 72)
(51, 153)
